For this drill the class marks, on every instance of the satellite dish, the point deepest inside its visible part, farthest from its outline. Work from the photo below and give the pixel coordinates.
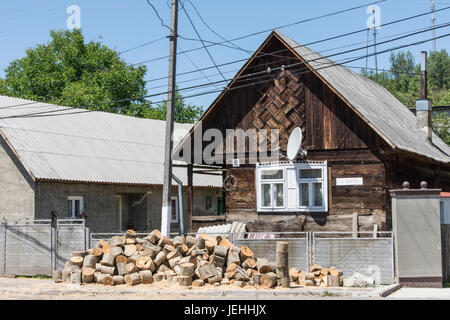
(294, 144)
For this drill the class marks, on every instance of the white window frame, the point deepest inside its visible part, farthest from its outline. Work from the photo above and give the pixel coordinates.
(177, 211)
(271, 182)
(293, 168)
(73, 199)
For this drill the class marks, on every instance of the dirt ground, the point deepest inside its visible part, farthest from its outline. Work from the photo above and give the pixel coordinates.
(46, 289)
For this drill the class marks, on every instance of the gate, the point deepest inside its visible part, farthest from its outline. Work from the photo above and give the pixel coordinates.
(70, 236)
(28, 248)
(370, 256)
(263, 245)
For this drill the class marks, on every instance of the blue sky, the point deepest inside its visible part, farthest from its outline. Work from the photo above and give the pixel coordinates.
(122, 24)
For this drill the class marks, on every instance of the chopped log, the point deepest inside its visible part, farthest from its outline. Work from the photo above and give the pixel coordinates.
(133, 279)
(170, 276)
(75, 276)
(200, 244)
(268, 280)
(130, 234)
(150, 265)
(99, 278)
(139, 241)
(309, 283)
(218, 261)
(80, 253)
(178, 241)
(209, 245)
(183, 249)
(102, 243)
(66, 275)
(173, 254)
(121, 259)
(217, 278)
(231, 270)
(108, 280)
(156, 250)
(293, 274)
(221, 251)
(163, 241)
(218, 239)
(116, 241)
(186, 269)
(189, 259)
(163, 268)
(98, 266)
(241, 275)
(130, 241)
(174, 261)
(90, 261)
(256, 277)
(146, 276)
(303, 276)
(76, 261)
(122, 269)
(324, 271)
(190, 241)
(98, 252)
(225, 281)
(185, 281)
(245, 253)
(107, 260)
(225, 243)
(139, 246)
(238, 283)
(115, 251)
(160, 258)
(87, 275)
(315, 267)
(107, 270)
(249, 263)
(134, 257)
(335, 272)
(207, 271)
(146, 252)
(131, 268)
(141, 261)
(130, 249)
(159, 276)
(316, 273)
(105, 248)
(233, 257)
(198, 283)
(282, 263)
(118, 280)
(154, 236)
(263, 265)
(57, 276)
(168, 248)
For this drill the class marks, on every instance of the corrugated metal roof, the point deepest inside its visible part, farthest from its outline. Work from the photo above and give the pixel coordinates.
(393, 121)
(235, 228)
(67, 144)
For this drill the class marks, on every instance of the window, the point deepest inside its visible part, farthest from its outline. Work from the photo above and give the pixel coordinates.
(175, 214)
(76, 206)
(292, 187)
(272, 185)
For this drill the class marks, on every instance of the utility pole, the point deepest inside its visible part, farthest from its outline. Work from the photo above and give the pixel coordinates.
(375, 48)
(433, 20)
(166, 211)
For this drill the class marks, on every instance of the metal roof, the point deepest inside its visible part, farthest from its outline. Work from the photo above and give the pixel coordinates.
(67, 144)
(376, 105)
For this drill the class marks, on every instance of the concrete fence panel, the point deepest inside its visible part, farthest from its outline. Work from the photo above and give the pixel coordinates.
(70, 237)
(2, 248)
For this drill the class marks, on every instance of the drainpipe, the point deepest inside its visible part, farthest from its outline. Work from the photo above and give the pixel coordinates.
(180, 201)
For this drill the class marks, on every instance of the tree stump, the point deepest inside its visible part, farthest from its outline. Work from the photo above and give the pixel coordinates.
(282, 263)
(87, 275)
(133, 279)
(107, 260)
(146, 276)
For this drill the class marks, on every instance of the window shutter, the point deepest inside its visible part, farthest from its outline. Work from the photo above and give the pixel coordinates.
(292, 191)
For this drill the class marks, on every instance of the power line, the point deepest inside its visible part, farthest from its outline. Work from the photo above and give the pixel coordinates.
(331, 64)
(199, 37)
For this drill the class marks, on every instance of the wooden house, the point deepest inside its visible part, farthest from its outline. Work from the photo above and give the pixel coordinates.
(360, 142)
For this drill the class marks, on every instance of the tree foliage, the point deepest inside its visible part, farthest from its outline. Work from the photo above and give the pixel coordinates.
(403, 81)
(72, 72)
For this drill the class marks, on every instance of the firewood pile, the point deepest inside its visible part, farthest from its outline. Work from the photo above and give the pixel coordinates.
(317, 276)
(186, 260)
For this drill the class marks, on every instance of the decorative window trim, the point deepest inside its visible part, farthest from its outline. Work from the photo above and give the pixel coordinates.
(76, 198)
(291, 186)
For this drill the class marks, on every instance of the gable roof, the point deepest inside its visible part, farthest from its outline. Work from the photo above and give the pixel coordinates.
(387, 116)
(66, 144)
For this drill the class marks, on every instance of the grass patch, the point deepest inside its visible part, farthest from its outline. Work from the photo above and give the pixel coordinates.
(33, 277)
(327, 294)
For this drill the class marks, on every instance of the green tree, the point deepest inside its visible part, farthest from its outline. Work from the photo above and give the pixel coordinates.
(439, 70)
(441, 126)
(72, 72)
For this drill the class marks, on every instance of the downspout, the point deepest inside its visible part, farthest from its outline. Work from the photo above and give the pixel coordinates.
(180, 201)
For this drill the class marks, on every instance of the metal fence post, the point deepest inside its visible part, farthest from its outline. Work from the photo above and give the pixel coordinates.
(53, 249)
(87, 239)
